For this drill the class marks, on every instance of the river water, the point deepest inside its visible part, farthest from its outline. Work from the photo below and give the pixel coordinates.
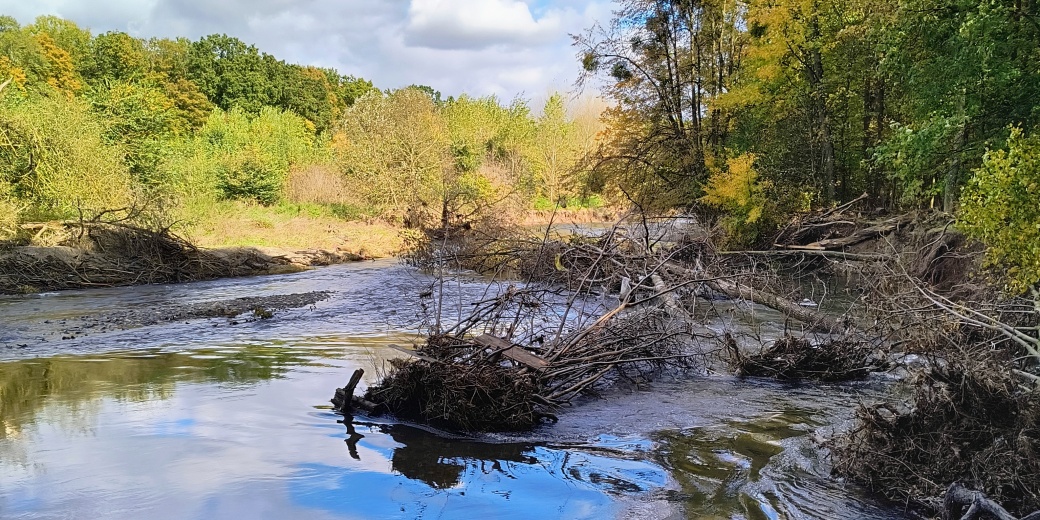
(220, 418)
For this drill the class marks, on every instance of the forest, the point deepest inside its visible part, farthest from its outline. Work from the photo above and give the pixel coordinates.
(213, 134)
(747, 111)
(763, 108)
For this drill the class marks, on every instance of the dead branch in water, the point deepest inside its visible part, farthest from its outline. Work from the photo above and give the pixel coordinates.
(958, 497)
(630, 314)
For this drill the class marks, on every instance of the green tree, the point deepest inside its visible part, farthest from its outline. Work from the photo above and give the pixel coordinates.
(967, 71)
(53, 156)
(118, 57)
(141, 119)
(555, 151)
(231, 73)
(397, 147)
(999, 208)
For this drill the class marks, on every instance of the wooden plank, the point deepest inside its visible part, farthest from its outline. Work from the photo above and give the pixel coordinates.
(522, 356)
(414, 354)
(488, 340)
(512, 352)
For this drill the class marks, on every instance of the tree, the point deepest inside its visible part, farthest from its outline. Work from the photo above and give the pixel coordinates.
(555, 152)
(69, 37)
(999, 208)
(970, 70)
(141, 119)
(663, 62)
(231, 73)
(397, 146)
(52, 156)
(118, 56)
(58, 71)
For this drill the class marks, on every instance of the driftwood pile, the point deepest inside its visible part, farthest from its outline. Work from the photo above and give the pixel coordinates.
(467, 379)
(508, 364)
(790, 358)
(106, 254)
(967, 423)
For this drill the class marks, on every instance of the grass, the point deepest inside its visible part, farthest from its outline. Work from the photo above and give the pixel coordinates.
(543, 203)
(290, 226)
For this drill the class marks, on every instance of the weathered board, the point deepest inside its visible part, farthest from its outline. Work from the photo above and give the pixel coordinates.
(512, 351)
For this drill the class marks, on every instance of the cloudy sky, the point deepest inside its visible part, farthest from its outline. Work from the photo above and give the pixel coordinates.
(502, 47)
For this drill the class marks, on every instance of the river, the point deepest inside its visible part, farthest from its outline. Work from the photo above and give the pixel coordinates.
(218, 418)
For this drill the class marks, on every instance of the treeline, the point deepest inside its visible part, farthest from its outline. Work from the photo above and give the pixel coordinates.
(760, 107)
(90, 123)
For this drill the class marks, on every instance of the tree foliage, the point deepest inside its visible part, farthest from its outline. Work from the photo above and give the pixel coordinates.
(1000, 208)
(189, 124)
(53, 156)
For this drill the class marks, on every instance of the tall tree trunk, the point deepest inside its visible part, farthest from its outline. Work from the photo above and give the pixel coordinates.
(951, 186)
(818, 99)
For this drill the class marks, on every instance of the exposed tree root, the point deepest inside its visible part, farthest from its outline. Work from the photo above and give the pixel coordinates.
(968, 423)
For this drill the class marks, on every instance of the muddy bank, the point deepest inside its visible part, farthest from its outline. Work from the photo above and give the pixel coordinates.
(234, 310)
(88, 255)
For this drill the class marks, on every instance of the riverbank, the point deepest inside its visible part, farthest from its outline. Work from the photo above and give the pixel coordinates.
(236, 239)
(74, 255)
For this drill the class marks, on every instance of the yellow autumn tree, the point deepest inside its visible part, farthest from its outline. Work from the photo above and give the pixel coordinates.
(60, 71)
(743, 196)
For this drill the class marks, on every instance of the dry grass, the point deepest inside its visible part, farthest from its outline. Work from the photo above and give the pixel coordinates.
(317, 184)
(242, 224)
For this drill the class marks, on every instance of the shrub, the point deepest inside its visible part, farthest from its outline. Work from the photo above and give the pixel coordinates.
(999, 208)
(54, 158)
(738, 191)
(248, 176)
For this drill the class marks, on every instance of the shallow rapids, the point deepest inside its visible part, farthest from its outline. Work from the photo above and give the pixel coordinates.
(229, 418)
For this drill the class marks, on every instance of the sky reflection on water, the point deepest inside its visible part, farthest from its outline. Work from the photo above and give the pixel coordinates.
(245, 434)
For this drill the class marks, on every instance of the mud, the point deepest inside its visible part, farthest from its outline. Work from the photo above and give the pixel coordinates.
(236, 310)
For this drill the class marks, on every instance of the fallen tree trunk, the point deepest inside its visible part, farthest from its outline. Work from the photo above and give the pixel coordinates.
(958, 497)
(857, 237)
(814, 320)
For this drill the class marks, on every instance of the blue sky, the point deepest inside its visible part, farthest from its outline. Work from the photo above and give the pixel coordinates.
(502, 47)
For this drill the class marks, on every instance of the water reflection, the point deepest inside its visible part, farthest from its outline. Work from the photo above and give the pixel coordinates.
(245, 432)
(759, 469)
(449, 477)
(73, 383)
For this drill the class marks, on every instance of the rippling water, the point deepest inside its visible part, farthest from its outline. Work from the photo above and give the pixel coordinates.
(207, 419)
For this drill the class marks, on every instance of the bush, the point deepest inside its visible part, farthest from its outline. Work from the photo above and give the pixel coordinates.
(249, 176)
(54, 158)
(738, 191)
(999, 208)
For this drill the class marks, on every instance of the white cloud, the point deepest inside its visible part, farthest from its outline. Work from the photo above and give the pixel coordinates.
(464, 24)
(481, 47)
